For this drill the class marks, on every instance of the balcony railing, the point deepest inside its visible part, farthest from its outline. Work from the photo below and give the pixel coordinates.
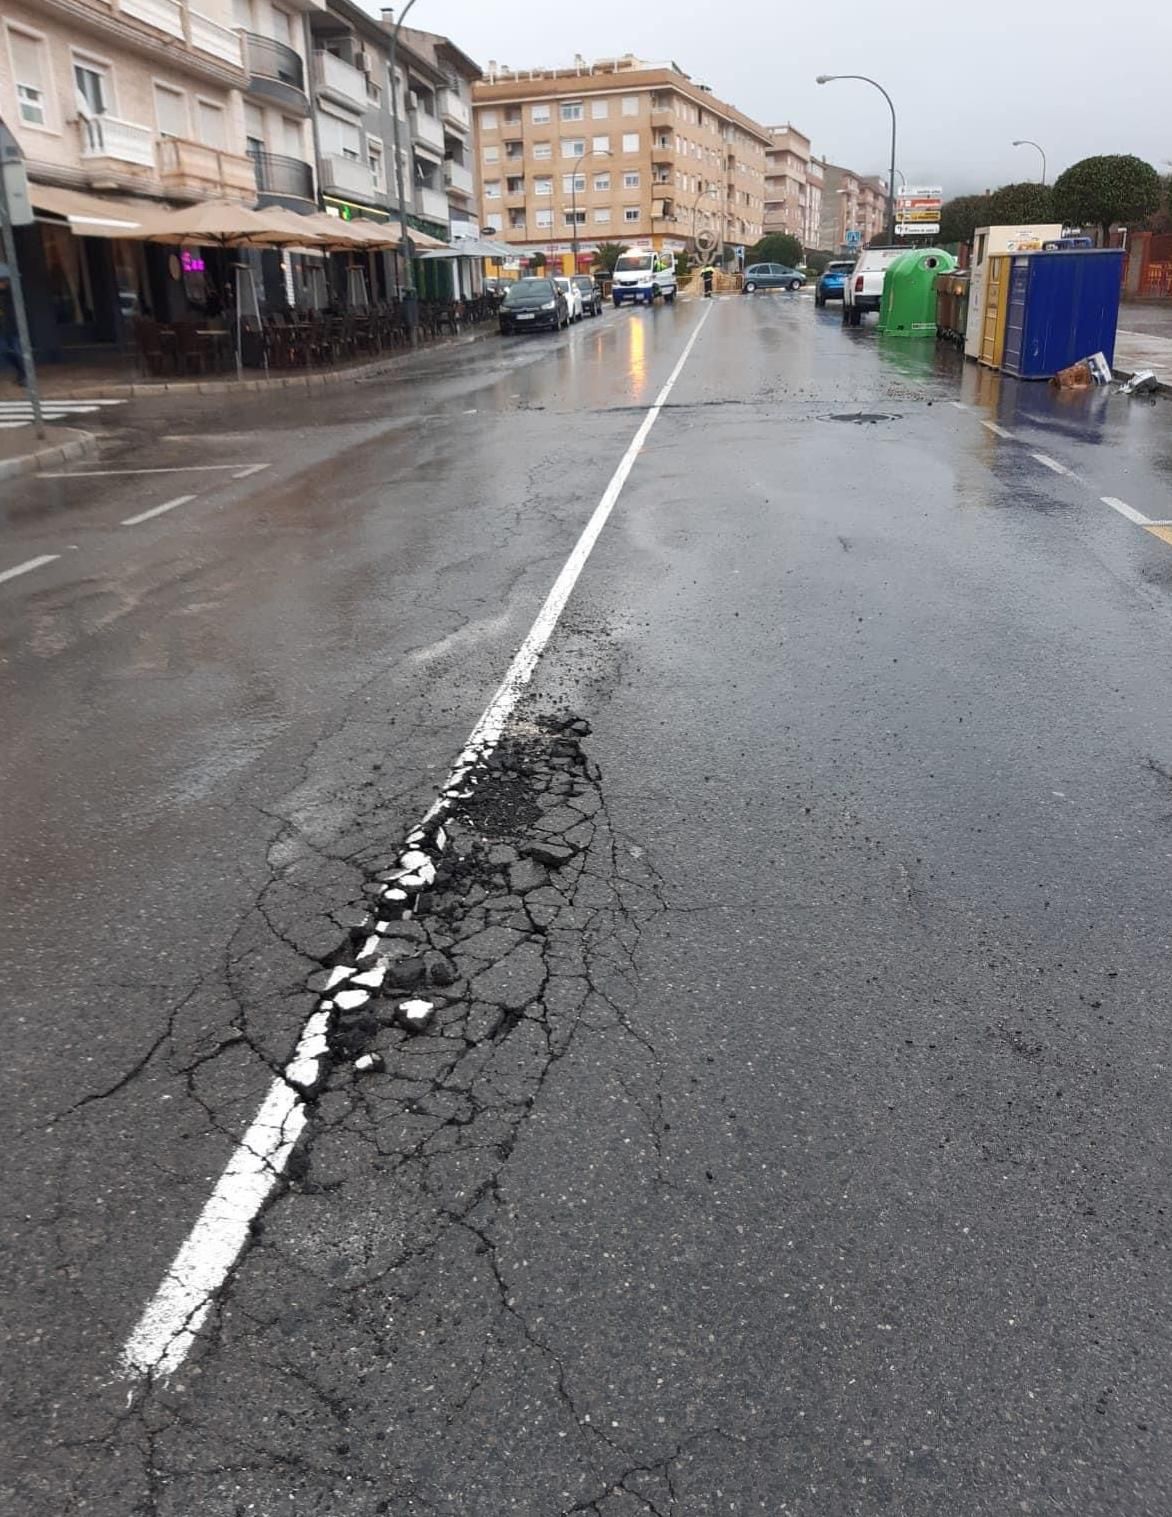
(432, 203)
(427, 130)
(165, 15)
(458, 178)
(123, 141)
(209, 36)
(340, 81)
(269, 59)
(191, 166)
(347, 176)
(278, 174)
(455, 110)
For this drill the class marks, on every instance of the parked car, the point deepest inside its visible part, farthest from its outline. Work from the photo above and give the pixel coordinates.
(534, 303)
(591, 293)
(573, 296)
(832, 280)
(863, 290)
(642, 276)
(772, 276)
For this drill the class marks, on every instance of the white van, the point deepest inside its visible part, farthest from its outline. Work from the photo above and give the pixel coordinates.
(642, 275)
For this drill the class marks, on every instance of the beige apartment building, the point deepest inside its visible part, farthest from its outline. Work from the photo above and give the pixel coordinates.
(854, 208)
(620, 150)
(793, 186)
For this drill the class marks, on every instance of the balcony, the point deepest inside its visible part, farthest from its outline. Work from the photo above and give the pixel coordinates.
(457, 178)
(663, 116)
(163, 15)
(117, 141)
(431, 203)
(663, 151)
(348, 178)
(336, 80)
(275, 72)
(282, 177)
(426, 131)
(455, 111)
(191, 171)
(208, 36)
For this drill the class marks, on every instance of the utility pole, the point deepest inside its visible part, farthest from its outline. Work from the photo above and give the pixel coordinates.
(15, 209)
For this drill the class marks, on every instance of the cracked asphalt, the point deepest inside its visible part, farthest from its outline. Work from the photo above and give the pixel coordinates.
(790, 1132)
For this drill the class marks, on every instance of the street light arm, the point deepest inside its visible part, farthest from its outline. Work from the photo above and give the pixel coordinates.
(866, 79)
(1029, 142)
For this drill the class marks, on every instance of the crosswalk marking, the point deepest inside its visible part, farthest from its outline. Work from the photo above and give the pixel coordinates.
(19, 413)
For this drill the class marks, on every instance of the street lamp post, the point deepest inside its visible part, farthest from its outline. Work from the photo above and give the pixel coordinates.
(408, 271)
(598, 153)
(828, 79)
(1029, 142)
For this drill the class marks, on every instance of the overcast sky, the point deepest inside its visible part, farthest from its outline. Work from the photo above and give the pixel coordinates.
(1080, 76)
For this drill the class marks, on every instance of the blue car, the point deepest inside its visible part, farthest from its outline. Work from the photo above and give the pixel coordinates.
(832, 281)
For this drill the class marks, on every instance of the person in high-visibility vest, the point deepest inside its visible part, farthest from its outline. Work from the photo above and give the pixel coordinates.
(708, 274)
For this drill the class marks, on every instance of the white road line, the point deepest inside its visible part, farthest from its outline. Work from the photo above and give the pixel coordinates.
(167, 1328)
(174, 469)
(1125, 510)
(1050, 463)
(959, 404)
(32, 563)
(251, 469)
(993, 427)
(17, 405)
(168, 505)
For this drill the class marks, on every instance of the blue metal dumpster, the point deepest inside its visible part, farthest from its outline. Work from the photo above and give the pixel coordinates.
(1063, 306)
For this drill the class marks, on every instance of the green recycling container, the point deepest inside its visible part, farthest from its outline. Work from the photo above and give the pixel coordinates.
(908, 308)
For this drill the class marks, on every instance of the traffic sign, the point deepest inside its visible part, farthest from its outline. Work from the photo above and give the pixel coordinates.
(917, 210)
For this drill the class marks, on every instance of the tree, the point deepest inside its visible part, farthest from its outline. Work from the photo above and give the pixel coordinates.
(961, 216)
(683, 266)
(1020, 204)
(537, 261)
(1101, 191)
(816, 260)
(776, 247)
(608, 254)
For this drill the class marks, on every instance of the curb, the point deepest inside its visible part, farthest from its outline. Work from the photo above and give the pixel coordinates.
(81, 445)
(138, 389)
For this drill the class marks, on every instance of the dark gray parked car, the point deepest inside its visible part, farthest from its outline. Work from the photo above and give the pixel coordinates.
(591, 294)
(530, 304)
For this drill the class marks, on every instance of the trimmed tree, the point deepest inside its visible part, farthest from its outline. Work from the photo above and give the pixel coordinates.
(608, 254)
(776, 247)
(961, 216)
(1101, 191)
(1020, 204)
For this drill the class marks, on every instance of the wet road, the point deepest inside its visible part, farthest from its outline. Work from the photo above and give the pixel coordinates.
(799, 1143)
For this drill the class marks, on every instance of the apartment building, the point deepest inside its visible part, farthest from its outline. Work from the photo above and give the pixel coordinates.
(278, 134)
(617, 150)
(815, 185)
(451, 105)
(787, 162)
(872, 206)
(854, 208)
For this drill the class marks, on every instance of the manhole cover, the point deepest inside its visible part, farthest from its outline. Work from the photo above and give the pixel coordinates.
(863, 418)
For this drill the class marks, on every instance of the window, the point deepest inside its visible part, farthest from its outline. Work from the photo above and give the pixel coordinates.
(512, 115)
(254, 127)
(573, 184)
(600, 144)
(630, 213)
(282, 25)
(601, 215)
(573, 147)
(210, 122)
(600, 109)
(544, 218)
(170, 111)
(630, 105)
(92, 82)
(539, 115)
(291, 138)
(515, 185)
(572, 110)
(602, 182)
(488, 120)
(514, 150)
(543, 150)
(575, 218)
(543, 186)
(339, 138)
(374, 157)
(494, 222)
(492, 189)
(373, 93)
(492, 155)
(630, 142)
(631, 179)
(30, 70)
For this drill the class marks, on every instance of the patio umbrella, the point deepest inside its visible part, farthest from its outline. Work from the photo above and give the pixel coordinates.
(218, 223)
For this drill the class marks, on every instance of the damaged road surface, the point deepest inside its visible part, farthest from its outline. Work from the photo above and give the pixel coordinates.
(740, 1085)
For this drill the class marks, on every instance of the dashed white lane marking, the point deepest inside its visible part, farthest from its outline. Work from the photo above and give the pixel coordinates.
(28, 566)
(171, 469)
(1125, 510)
(167, 1328)
(251, 469)
(993, 427)
(168, 505)
(959, 404)
(1050, 463)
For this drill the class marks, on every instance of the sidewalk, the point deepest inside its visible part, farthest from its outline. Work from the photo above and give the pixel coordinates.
(1143, 350)
(120, 379)
(23, 452)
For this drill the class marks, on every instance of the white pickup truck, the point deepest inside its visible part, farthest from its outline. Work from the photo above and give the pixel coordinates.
(863, 290)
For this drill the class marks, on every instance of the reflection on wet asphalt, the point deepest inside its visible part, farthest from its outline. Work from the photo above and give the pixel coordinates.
(791, 1131)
